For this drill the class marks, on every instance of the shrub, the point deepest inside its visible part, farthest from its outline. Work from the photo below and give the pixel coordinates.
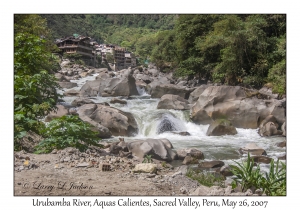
(273, 183)
(247, 175)
(67, 131)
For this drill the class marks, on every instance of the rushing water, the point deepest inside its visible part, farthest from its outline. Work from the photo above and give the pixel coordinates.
(151, 120)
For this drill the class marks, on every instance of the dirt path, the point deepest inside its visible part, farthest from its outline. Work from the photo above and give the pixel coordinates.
(46, 175)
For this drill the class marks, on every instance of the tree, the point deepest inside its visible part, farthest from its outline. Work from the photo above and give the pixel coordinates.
(34, 88)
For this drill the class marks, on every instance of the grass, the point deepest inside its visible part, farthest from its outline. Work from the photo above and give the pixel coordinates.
(206, 178)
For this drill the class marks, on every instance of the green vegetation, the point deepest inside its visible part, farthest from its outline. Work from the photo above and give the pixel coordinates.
(148, 159)
(249, 176)
(34, 87)
(244, 49)
(67, 131)
(206, 178)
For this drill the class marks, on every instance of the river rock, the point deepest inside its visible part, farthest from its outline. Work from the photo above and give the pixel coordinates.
(160, 90)
(194, 96)
(123, 85)
(168, 122)
(226, 170)
(193, 152)
(261, 159)
(269, 129)
(29, 141)
(117, 100)
(92, 88)
(211, 164)
(281, 144)
(253, 149)
(221, 127)
(67, 85)
(189, 160)
(61, 78)
(102, 75)
(72, 93)
(145, 168)
(157, 148)
(170, 101)
(118, 122)
(239, 105)
(59, 112)
(80, 101)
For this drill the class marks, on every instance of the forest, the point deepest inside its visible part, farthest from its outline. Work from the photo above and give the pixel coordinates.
(239, 49)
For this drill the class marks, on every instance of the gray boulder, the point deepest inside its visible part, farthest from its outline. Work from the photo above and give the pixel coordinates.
(158, 149)
(221, 127)
(67, 85)
(239, 105)
(72, 93)
(269, 129)
(170, 101)
(160, 90)
(59, 112)
(81, 101)
(194, 96)
(193, 152)
(118, 122)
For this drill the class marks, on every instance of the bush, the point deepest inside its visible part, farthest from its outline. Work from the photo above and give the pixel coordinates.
(206, 178)
(67, 131)
(273, 183)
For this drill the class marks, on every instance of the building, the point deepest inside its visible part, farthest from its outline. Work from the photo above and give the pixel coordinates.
(119, 56)
(130, 60)
(78, 45)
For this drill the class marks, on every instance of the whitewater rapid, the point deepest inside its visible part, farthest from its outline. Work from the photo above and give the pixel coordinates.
(149, 120)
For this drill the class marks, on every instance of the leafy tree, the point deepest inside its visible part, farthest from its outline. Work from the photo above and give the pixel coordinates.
(34, 88)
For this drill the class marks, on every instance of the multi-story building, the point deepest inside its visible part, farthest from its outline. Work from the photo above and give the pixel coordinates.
(119, 56)
(78, 45)
(130, 60)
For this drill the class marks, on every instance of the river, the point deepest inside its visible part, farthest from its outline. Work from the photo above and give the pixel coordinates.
(149, 119)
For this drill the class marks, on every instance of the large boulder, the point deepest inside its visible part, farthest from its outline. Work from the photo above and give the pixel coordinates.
(160, 90)
(170, 101)
(168, 122)
(158, 149)
(194, 96)
(84, 113)
(269, 129)
(239, 105)
(59, 112)
(72, 92)
(120, 86)
(221, 127)
(119, 123)
(211, 164)
(123, 85)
